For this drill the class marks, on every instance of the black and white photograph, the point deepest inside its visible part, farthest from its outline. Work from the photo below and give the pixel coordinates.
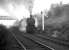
(34, 24)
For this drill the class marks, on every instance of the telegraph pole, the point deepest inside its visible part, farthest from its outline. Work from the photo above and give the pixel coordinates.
(42, 20)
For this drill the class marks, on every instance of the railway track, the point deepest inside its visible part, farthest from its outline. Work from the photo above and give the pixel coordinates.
(47, 42)
(27, 43)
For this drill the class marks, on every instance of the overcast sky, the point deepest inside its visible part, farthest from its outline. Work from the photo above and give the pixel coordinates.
(20, 8)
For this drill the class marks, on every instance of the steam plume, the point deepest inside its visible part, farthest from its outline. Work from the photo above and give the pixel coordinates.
(27, 3)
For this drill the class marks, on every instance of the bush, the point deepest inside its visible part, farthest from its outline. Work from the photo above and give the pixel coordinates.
(3, 37)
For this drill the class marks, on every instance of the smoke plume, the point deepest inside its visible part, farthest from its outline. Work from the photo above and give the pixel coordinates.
(27, 3)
